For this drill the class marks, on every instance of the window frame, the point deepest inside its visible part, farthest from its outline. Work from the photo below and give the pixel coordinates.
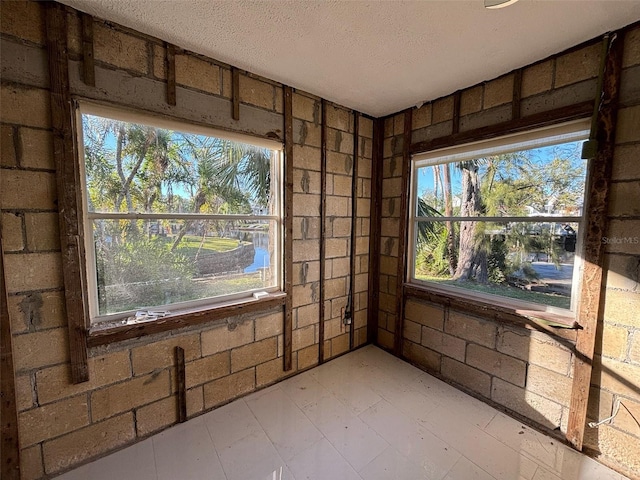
(101, 327)
(537, 137)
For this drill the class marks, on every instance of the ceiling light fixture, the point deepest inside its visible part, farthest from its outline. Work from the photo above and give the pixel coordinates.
(498, 3)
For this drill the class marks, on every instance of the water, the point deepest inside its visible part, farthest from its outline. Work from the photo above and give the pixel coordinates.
(260, 260)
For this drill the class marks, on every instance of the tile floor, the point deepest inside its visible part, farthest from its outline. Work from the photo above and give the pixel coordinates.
(366, 415)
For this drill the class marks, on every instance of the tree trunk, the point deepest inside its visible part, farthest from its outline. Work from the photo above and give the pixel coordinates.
(470, 207)
(448, 212)
(199, 202)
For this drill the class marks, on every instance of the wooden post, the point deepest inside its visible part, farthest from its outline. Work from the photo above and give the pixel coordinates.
(456, 113)
(10, 468)
(402, 240)
(235, 93)
(374, 233)
(171, 74)
(595, 229)
(69, 203)
(288, 227)
(517, 93)
(88, 68)
(323, 224)
(354, 224)
(182, 385)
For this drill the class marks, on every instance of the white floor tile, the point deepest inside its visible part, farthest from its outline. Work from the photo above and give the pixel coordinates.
(357, 442)
(327, 413)
(230, 423)
(321, 462)
(186, 452)
(392, 465)
(285, 424)
(136, 462)
(253, 456)
(465, 469)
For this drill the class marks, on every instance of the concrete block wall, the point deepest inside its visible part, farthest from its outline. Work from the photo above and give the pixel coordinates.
(525, 371)
(132, 388)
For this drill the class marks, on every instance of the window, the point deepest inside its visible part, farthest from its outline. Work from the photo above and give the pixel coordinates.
(176, 216)
(502, 217)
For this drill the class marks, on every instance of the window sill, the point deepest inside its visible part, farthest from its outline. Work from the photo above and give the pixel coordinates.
(496, 310)
(103, 335)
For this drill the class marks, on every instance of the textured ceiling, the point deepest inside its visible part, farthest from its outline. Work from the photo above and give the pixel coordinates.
(378, 57)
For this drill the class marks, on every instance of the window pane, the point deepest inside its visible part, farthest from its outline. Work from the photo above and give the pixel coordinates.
(152, 263)
(529, 261)
(139, 168)
(545, 181)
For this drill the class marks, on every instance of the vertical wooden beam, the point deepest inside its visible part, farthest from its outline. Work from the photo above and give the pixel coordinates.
(235, 93)
(323, 223)
(68, 185)
(595, 230)
(88, 68)
(354, 223)
(288, 227)
(517, 92)
(171, 74)
(456, 113)
(402, 240)
(10, 458)
(374, 232)
(182, 385)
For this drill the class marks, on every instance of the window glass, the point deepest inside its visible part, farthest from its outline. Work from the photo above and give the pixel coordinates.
(506, 223)
(176, 219)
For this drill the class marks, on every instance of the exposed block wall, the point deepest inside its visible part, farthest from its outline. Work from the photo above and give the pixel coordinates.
(132, 387)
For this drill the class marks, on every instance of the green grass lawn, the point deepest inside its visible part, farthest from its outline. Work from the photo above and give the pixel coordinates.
(558, 301)
(190, 244)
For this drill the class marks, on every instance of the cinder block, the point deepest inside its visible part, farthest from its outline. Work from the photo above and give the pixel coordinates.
(306, 272)
(339, 141)
(272, 371)
(388, 127)
(305, 108)
(336, 247)
(442, 109)
(156, 416)
(618, 305)
(340, 344)
(306, 205)
(465, 375)
(535, 349)
(278, 99)
(125, 396)
(88, 442)
(337, 206)
(342, 185)
(623, 236)
(55, 382)
(498, 91)
(340, 118)
(446, 344)
(256, 92)
(31, 464)
(42, 231)
(549, 384)
(253, 354)
(195, 401)
(37, 148)
(222, 337)
(161, 354)
(228, 388)
(119, 49)
(40, 349)
(617, 447)
(305, 294)
(425, 314)
(614, 376)
(40, 185)
(308, 357)
(7, 146)
(306, 250)
(398, 124)
(306, 181)
(498, 364)
(160, 62)
(388, 265)
(390, 227)
(25, 20)
(411, 331)
(339, 163)
(627, 416)
(612, 340)
(624, 199)
(40, 310)
(627, 125)
(577, 66)
(24, 392)
(531, 405)
(53, 420)
(12, 232)
(392, 187)
(268, 326)
(471, 328)
(626, 162)
(471, 100)
(536, 79)
(303, 337)
(600, 404)
(307, 315)
(419, 355)
(206, 369)
(421, 116)
(631, 52)
(194, 72)
(25, 106)
(385, 340)
(227, 88)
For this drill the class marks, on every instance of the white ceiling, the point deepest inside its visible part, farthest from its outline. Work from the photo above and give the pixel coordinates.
(377, 57)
